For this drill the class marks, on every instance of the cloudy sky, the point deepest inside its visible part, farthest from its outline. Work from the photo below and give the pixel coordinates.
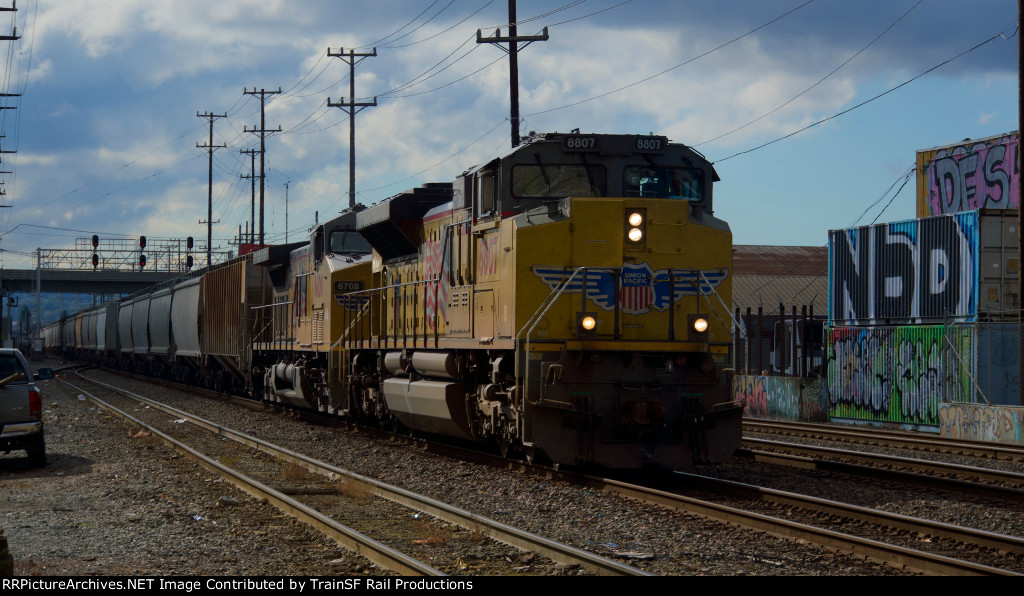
(106, 126)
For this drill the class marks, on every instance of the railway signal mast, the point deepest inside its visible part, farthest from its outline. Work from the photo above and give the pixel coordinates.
(512, 40)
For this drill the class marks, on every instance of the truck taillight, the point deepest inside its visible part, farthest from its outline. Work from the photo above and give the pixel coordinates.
(35, 403)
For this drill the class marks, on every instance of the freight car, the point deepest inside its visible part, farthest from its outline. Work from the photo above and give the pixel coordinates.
(566, 300)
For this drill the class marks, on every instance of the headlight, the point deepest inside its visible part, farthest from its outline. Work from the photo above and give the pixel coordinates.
(700, 325)
(636, 226)
(588, 323)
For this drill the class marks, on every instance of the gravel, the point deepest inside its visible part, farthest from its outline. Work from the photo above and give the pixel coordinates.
(110, 503)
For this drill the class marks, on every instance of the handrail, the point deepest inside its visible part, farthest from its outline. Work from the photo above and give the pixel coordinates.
(735, 323)
(535, 319)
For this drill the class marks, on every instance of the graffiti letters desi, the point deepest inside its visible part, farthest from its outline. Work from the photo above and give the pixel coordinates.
(981, 175)
(913, 271)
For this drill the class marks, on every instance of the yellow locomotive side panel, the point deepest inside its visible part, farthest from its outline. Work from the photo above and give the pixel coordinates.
(345, 301)
(543, 244)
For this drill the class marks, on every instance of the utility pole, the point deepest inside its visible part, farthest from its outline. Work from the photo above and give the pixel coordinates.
(286, 211)
(352, 107)
(252, 189)
(1020, 207)
(14, 33)
(262, 131)
(12, 37)
(210, 148)
(512, 40)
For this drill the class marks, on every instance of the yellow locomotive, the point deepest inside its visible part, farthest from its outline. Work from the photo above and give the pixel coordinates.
(565, 300)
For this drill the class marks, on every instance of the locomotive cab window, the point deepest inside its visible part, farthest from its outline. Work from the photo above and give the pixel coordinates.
(664, 183)
(572, 180)
(348, 241)
(485, 193)
(318, 245)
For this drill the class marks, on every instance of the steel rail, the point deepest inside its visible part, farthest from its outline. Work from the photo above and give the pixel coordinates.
(974, 536)
(1013, 479)
(376, 552)
(873, 436)
(881, 551)
(518, 538)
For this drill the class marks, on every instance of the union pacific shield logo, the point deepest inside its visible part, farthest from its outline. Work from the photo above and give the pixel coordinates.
(640, 288)
(636, 288)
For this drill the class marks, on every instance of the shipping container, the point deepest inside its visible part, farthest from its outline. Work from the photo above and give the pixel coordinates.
(899, 374)
(950, 268)
(969, 175)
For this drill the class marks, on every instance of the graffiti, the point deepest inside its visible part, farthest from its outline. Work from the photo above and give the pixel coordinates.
(487, 256)
(982, 175)
(898, 374)
(776, 398)
(998, 424)
(437, 293)
(911, 271)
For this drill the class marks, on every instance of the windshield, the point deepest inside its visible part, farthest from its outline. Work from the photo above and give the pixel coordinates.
(664, 183)
(347, 241)
(558, 181)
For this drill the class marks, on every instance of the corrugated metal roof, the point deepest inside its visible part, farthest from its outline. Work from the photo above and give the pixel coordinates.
(766, 275)
(768, 290)
(794, 261)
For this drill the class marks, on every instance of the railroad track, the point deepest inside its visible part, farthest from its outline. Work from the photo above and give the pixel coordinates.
(755, 515)
(327, 492)
(885, 541)
(903, 440)
(980, 480)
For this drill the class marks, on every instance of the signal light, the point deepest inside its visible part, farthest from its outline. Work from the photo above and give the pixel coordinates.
(188, 262)
(142, 260)
(189, 243)
(95, 241)
(95, 261)
(142, 241)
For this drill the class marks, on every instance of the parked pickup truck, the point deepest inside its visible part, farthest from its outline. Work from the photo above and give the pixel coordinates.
(21, 407)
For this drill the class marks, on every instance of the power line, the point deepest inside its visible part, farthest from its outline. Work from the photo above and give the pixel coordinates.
(820, 81)
(867, 101)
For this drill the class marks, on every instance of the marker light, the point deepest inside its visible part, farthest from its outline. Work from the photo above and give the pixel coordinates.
(588, 323)
(700, 325)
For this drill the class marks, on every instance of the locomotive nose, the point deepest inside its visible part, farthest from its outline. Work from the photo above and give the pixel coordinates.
(641, 417)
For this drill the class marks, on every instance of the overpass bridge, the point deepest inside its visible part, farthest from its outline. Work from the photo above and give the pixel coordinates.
(81, 281)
